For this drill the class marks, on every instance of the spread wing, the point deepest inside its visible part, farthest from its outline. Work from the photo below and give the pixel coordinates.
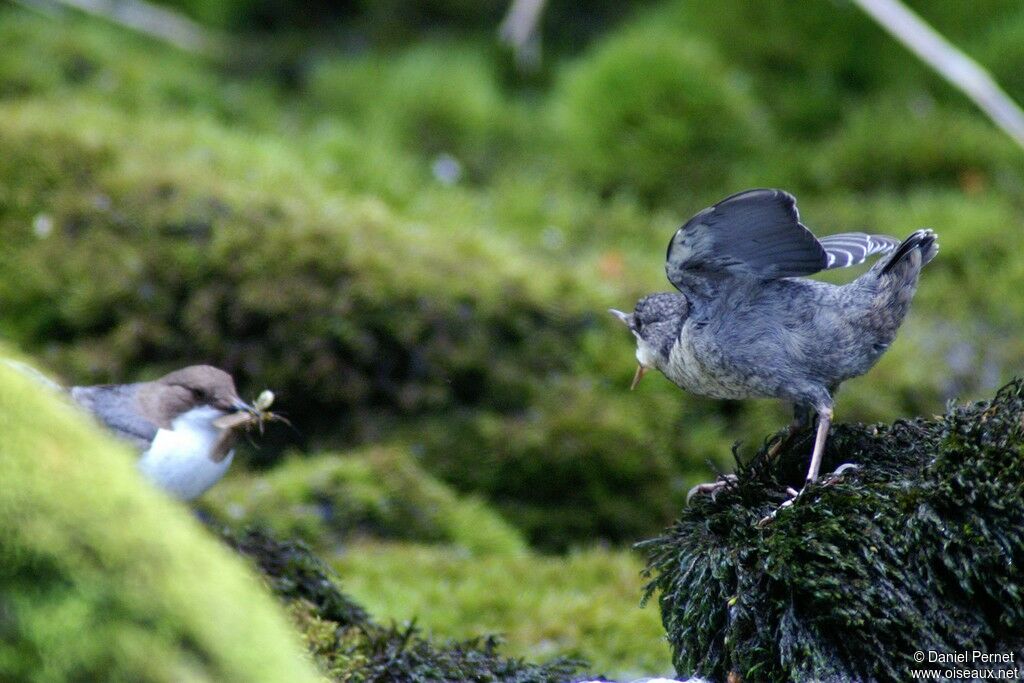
(107, 404)
(758, 234)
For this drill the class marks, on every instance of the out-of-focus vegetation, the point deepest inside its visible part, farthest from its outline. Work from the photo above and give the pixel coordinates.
(583, 604)
(335, 499)
(367, 208)
(349, 645)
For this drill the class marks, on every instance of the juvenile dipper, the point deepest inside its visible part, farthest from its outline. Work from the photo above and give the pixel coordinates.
(182, 423)
(745, 325)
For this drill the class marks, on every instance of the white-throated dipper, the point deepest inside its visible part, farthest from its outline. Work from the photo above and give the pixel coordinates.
(746, 325)
(185, 424)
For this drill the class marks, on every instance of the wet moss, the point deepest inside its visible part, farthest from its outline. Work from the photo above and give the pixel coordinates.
(920, 548)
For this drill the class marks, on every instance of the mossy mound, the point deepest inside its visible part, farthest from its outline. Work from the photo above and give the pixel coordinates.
(103, 578)
(349, 646)
(919, 549)
(679, 125)
(332, 499)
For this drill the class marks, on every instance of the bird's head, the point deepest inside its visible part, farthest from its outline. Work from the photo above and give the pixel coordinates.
(656, 323)
(198, 386)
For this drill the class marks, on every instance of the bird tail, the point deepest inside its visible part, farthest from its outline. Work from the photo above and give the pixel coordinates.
(912, 254)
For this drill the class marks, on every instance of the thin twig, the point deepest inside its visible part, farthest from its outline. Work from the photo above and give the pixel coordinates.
(955, 66)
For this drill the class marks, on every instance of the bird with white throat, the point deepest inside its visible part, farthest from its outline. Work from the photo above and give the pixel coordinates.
(185, 424)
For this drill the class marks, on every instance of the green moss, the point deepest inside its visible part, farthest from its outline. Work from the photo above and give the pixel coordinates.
(652, 111)
(349, 646)
(432, 99)
(103, 578)
(583, 604)
(333, 499)
(924, 145)
(918, 549)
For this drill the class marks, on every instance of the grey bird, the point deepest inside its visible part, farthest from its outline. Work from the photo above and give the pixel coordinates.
(184, 424)
(745, 324)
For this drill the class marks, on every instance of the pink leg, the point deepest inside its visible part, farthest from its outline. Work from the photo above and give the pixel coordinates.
(824, 421)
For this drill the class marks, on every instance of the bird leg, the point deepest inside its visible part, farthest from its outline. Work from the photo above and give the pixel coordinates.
(824, 421)
(801, 418)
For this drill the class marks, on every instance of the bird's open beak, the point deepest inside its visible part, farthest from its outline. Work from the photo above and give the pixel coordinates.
(640, 370)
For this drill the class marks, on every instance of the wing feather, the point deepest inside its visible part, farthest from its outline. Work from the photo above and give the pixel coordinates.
(756, 233)
(107, 402)
(850, 248)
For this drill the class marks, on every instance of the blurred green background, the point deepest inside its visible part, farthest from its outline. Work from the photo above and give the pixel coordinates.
(370, 208)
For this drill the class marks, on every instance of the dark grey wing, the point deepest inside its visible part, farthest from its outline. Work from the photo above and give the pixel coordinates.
(113, 406)
(756, 233)
(851, 248)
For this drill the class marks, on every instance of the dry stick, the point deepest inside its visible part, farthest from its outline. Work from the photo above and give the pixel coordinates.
(955, 66)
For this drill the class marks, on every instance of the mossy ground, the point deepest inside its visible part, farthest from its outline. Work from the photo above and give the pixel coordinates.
(582, 605)
(350, 646)
(919, 549)
(332, 500)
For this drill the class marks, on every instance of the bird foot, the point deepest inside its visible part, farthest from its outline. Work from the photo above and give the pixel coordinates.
(793, 494)
(837, 473)
(791, 497)
(712, 487)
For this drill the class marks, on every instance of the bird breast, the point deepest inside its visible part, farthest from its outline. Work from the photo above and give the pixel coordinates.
(698, 363)
(181, 459)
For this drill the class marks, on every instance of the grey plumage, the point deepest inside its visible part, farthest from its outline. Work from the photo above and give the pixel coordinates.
(116, 406)
(743, 325)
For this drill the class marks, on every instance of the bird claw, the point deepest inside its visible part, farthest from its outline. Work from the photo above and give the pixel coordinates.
(794, 494)
(712, 487)
(838, 472)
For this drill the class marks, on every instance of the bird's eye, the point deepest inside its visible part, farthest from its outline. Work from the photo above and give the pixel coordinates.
(199, 394)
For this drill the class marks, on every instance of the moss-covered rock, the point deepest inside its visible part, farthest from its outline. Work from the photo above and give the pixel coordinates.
(332, 499)
(103, 578)
(918, 549)
(349, 646)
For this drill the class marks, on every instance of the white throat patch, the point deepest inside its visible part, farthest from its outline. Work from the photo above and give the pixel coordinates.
(180, 459)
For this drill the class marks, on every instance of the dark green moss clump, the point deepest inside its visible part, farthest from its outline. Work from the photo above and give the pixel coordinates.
(349, 646)
(921, 548)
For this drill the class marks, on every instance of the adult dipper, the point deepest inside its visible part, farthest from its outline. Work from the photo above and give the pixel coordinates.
(185, 424)
(746, 325)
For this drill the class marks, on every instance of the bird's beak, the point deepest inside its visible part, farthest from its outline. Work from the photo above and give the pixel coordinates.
(640, 370)
(241, 406)
(626, 318)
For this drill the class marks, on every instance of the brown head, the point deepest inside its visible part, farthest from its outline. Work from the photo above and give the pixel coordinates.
(182, 390)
